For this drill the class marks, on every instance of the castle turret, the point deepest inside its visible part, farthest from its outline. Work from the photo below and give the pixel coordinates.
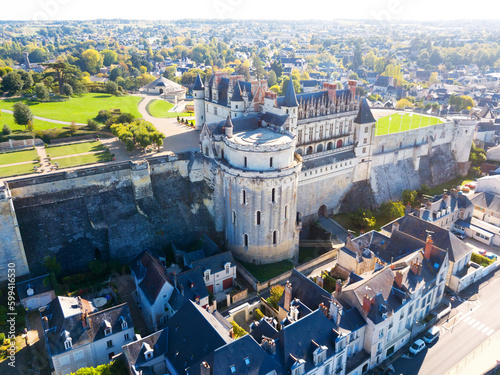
(364, 135)
(199, 102)
(290, 107)
(228, 127)
(237, 102)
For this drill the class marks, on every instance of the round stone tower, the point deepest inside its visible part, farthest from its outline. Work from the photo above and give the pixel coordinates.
(260, 173)
(199, 102)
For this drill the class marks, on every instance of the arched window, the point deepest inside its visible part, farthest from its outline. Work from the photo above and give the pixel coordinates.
(258, 218)
(309, 150)
(275, 237)
(329, 146)
(206, 150)
(319, 148)
(273, 195)
(245, 240)
(299, 151)
(339, 143)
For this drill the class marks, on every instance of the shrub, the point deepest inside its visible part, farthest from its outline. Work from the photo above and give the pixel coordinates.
(2, 338)
(67, 89)
(103, 116)
(237, 330)
(363, 218)
(22, 114)
(92, 124)
(42, 92)
(73, 128)
(6, 129)
(392, 209)
(258, 314)
(30, 127)
(111, 87)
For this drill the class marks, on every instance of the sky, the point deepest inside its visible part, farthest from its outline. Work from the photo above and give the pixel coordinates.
(392, 10)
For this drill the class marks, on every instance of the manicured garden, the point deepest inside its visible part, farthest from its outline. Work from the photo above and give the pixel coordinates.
(17, 170)
(264, 272)
(79, 108)
(79, 160)
(160, 108)
(18, 156)
(73, 149)
(399, 122)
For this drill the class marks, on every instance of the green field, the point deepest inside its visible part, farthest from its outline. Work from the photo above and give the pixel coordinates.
(17, 170)
(74, 161)
(8, 119)
(77, 148)
(79, 108)
(409, 122)
(160, 108)
(18, 157)
(264, 272)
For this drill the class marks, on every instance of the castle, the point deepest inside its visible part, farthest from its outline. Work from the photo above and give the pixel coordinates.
(275, 159)
(266, 165)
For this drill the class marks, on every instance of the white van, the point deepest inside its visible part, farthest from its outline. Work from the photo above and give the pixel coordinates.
(431, 335)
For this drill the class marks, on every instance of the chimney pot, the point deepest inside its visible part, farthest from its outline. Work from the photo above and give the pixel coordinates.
(338, 288)
(428, 247)
(288, 295)
(398, 278)
(367, 303)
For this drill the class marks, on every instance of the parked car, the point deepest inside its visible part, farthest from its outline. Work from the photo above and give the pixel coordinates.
(417, 347)
(482, 252)
(431, 335)
(490, 256)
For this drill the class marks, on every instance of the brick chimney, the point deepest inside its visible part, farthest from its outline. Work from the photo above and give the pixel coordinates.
(338, 288)
(84, 323)
(416, 268)
(395, 227)
(367, 303)
(398, 278)
(319, 280)
(324, 309)
(428, 247)
(204, 368)
(288, 295)
(332, 91)
(352, 87)
(269, 345)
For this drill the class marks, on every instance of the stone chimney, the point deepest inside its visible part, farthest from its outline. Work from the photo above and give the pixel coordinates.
(398, 278)
(332, 90)
(324, 309)
(416, 268)
(428, 247)
(367, 304)
(204, 368)
(395, 227)
(288, 295)
(319, 280)
(338, 288)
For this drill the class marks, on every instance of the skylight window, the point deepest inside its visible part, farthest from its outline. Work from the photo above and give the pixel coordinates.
(247, 361)
(233, 369)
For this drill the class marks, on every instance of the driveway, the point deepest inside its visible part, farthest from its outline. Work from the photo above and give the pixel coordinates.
(179, 138)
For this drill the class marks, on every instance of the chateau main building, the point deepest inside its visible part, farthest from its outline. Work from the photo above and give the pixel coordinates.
(272, 160)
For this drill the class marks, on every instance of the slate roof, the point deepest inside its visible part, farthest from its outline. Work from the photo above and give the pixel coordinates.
(236, 93)
(193, 256)
(442, 238)
(40, 285)
(365, 115)
(198, 84)
(290, 99)
(306, 291)
(192, 283)
(189, 336)
(63, 318)
(457, 201)
(150, 273)
(163, 82)
(274, 119)
(350, 321)
(262, 328)
(215, 263)
(327, 160)
(487, 200)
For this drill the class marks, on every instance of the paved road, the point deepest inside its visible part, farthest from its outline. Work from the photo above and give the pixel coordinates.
(475, 327)
(179, 138)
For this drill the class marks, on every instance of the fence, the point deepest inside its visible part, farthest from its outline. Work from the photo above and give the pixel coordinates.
(20, 144)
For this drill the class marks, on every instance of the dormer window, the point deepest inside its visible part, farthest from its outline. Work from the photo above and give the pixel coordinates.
(228, 265)
(148, 352)
(124, 323)
(107, 328)
(298, 368)
(68, 344)
(207, 276)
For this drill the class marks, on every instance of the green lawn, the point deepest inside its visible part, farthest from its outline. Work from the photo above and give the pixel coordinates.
(346, 221)
(74, 161)
(410, 121)
(78, 148)
(17, 157)
(264, 272)
(307, 254)
(79, 108)
(7, 118)
(160, 108)
(17, 170)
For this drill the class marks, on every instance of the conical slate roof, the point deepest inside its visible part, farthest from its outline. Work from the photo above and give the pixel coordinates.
(237, 93)
(229, 123)
(365, 115)
(290, 97)
(198, 85)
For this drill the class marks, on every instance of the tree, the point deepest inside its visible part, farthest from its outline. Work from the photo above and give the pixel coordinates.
(363, 218)
(111, 87)
(257, 65)
(403, 103)
(109, 57)
(22, 114)
(67, 89)
(409, 196)
(6, 129)
(392, 209)
(92, 61)
(276, 293)
(115, 73)
(357, 59)
(237, 330)
(27, 79)
(284, 85)
(272, 79)
(277, 67)
(12, 82)
(41, 92)
(51, 264)
(354, 76)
